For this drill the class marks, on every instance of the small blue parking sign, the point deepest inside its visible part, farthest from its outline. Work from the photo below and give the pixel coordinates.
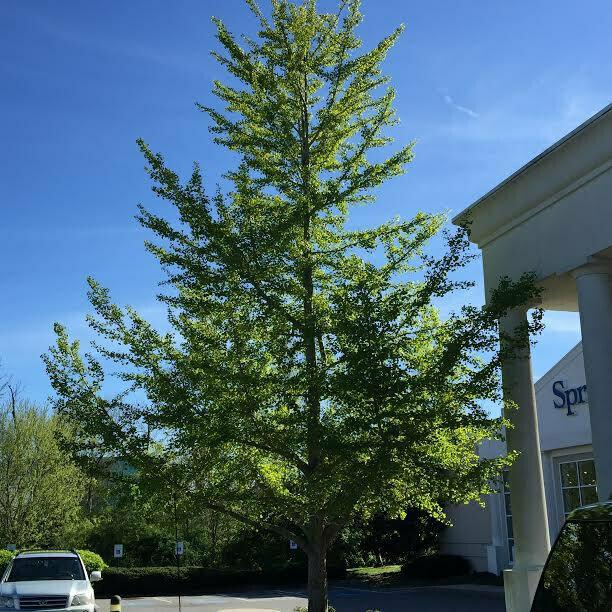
(118, 551)
(292, 545)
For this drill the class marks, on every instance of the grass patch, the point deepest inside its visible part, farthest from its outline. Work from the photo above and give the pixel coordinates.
(385, 574)
(365, 572)
(391, 575)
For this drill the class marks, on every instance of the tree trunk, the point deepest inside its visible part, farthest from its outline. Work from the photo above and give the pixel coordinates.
(317, 580)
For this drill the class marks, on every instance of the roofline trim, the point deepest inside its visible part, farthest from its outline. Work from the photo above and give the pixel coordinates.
(458, 217)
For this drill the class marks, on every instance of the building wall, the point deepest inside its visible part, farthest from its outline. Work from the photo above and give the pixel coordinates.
(477, 532)
(563, 436)
(470, 534)
(557, 428)
(480, 534)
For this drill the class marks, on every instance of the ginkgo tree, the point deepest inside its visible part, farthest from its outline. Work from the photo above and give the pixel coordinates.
(308, 375)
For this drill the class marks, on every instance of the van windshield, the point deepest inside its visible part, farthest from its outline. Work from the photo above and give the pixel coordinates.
(46, 568)
(578, 573)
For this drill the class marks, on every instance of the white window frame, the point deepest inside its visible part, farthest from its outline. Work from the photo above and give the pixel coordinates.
(558, 459)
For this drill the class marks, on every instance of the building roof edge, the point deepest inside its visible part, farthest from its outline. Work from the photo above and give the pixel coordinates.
(559, 143)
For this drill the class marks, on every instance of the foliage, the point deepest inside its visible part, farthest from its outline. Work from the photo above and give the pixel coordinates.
(169, 580)
(434, 567)
(6, 556)
(92, 561)
(147, 523)
(308, 376)
(383, 539)
(578, 573)
(40, 487)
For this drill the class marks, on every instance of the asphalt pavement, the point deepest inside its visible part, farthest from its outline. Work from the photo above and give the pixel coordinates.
(343, 598)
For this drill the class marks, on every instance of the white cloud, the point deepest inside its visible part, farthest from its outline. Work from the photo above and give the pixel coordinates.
(461, 109)
(532, 118)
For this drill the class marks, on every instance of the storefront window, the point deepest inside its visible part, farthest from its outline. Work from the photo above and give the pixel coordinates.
(578, 484)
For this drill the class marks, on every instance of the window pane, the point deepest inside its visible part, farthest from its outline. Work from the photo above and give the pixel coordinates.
(586, 470)
(509, 526)
(508, 506)
(589, 495)
(569, 476)
(571, 499)
(511, 549)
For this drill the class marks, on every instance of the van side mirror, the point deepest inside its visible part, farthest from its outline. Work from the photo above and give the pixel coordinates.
(95, 576)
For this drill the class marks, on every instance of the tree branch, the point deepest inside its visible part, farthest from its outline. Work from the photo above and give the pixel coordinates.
(243, 518)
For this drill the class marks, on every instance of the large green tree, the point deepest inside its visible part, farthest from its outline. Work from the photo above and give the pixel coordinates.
(309, 376)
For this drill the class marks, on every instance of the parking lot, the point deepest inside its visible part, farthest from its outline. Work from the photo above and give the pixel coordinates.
(344, 599)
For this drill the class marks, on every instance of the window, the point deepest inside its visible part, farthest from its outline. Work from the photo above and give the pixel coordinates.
(45, 568)
(508, 513)
(578, 484)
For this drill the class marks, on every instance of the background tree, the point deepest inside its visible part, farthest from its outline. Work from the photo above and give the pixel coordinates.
(147, 520)
(40, 487)
(309, 376)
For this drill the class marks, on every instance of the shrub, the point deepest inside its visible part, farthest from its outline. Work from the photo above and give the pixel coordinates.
(6, 556)
(133, 581)
(434, 567)
(93, 561)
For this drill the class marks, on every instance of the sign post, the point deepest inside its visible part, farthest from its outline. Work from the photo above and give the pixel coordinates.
(179, 549)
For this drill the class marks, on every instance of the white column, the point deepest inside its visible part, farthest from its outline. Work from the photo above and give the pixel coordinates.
(529, 519)
(595, 303)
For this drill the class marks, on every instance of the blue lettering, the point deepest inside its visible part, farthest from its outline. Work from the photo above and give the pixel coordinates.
(568, 397)
(571, 396)
(559, 393)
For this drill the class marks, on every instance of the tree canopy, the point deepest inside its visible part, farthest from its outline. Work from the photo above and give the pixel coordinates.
(309, 375)
(40, 486)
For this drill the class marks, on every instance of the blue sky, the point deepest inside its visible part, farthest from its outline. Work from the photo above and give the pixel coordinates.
(482, 86)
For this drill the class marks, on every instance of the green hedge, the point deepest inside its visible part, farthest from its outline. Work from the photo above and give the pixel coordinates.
(6, 556)
(131, 581)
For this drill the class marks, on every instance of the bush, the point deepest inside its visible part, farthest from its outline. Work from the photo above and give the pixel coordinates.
(6, 556)
(133, 581)
(93, 561)
(434, 567)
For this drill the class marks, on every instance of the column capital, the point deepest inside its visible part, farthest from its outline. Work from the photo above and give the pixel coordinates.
(594, 265)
